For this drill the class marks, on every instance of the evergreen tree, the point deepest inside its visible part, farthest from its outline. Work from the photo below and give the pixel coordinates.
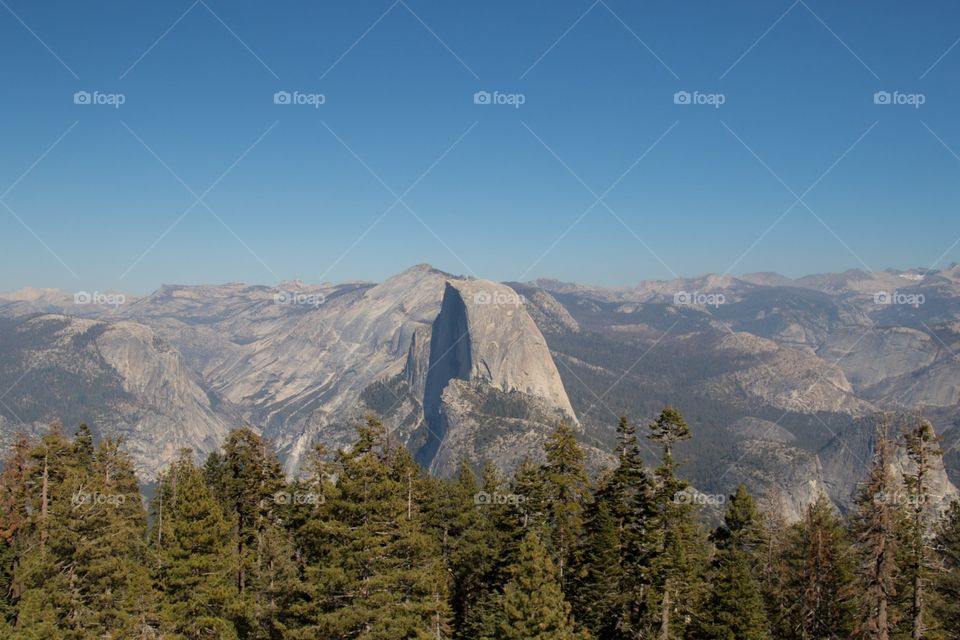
(678, 546)
(532, 606)
(529, 499)
(567, 489)
(58, 480)
(196, 561)
(947, 545)
(380, 574)
(462, 521)
(922, 447)
(111, 558)
(821, 591)
(13, 516)
(875, 527)
(611, 588)
(597, 595)
(501, 530)
(734, 609)
(248, 481)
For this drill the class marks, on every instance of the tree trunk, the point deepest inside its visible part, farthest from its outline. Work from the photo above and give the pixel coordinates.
(665, 614)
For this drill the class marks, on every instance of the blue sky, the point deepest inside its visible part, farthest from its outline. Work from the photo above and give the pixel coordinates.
(101, 196)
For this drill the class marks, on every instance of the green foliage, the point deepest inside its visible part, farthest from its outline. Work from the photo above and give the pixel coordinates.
(196, 562)
(676, 548)
(249, 483)
(567, 489)
(532, 606)
(822, 567)
(364, 546)
(379, 574)
(734, 608)
(946, 605)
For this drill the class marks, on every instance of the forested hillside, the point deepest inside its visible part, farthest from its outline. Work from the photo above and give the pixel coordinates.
(365, 545)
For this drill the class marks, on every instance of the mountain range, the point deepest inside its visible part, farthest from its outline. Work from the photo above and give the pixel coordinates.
(781, 379)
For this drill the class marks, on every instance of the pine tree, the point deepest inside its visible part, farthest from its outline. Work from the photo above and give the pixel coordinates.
(947, 584)
(876, 530)
(922, 447)
(597, 596)
(611, 588)
(677, 555)
(58, 480)
(111, 558)
(532, 606)
(734, 609)
(196, 570)
(501, 530)
(529, 499)
(380, 575)
(462, 524)
(567, 492)
(13, 516)
(247, 479)
(822, 577)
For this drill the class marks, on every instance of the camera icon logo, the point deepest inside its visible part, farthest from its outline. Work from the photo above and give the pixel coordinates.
(82, 97)
(882, 297)
(882, 97)
(282, 97)
(682, 297)
(482, 297)
(482, 97)
(682, 97)
(82, 297)
(281, 298)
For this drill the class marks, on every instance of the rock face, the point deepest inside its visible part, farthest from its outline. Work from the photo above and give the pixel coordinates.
(121, 378)
(849, 454)
(484, 335)
(483, 332)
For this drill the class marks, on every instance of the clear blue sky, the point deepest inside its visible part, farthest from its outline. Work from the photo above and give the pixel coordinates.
(598, 80)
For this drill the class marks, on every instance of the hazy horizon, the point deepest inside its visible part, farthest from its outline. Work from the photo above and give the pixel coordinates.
(454, 272)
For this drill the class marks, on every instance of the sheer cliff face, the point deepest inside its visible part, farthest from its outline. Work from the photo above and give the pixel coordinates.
(484, 333)
(485, 350)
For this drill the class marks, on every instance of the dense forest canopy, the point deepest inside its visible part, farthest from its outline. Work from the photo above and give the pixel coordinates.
(366, 546)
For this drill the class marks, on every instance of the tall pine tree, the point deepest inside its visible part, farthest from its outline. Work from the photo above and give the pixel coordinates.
(532, 606)
(196, 568)
(568, 492)
(677, 555)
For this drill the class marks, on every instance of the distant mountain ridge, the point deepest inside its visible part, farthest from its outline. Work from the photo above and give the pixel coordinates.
(775, 374)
